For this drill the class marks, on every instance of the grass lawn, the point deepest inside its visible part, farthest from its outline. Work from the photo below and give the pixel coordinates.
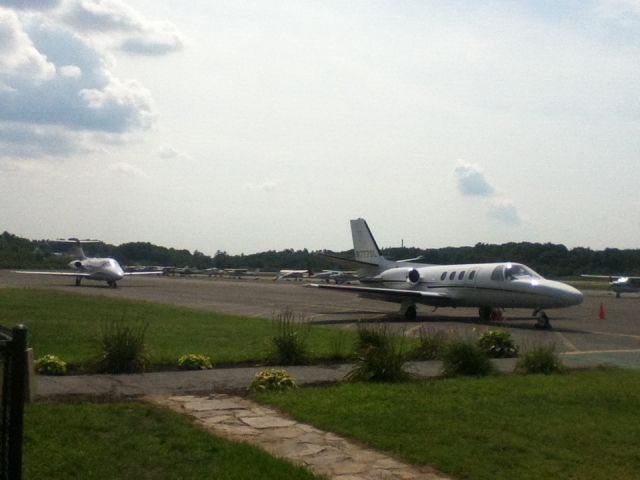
(69, 325)
(130, 440)
(582, 425)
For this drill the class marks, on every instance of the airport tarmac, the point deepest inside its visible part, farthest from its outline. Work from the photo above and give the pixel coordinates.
(577, 331)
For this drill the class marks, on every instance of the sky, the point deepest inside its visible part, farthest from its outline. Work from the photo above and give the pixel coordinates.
(245, 126)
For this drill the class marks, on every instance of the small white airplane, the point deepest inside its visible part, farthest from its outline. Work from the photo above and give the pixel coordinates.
(91, 268)
(619, 284)
(337, 276)
(488, 286)
(293, 274)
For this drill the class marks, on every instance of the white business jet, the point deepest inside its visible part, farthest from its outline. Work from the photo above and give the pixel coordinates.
(91, 268)
(488, 286)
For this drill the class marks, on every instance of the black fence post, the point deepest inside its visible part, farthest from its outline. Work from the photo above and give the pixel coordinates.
(17, 400)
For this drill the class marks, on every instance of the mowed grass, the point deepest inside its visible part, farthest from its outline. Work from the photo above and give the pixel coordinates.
(581, 425)
(69, 325)
(129, 440)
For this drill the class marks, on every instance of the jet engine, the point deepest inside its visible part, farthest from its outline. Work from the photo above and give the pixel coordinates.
(401, 274)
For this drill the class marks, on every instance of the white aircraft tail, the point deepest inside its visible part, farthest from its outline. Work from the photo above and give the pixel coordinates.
(76, 249)
(364, 245)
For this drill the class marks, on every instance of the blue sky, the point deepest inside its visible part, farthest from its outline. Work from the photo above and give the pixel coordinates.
(256, 125)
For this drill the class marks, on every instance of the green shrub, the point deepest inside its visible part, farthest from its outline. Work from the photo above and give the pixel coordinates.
(431, 345)
(123, 348)
(272, 379)
(289, 342)
(380, 357)
(193, 361)
(543, 359)
(498, 344)
(465, 358)
(50, 365)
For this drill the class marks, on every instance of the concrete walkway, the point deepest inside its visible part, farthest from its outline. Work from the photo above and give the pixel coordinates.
(324, 453)
(217, 380)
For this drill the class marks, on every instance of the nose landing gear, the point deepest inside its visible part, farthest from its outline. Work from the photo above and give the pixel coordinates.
(543, 320)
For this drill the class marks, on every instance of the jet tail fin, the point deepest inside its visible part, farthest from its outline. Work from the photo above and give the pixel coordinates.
(364, 245)
(76, 249)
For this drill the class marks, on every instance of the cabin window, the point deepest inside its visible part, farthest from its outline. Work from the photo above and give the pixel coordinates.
(498, 274)
(461, 275)
(443, 276)
(452, 276)
(472, 274)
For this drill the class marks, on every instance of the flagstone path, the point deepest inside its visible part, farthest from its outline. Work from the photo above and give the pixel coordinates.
(325, 453)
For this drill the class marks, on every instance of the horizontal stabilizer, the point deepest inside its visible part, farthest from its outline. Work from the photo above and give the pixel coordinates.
(348, 261)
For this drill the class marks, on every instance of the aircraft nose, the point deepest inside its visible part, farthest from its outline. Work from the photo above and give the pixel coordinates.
(571, 295)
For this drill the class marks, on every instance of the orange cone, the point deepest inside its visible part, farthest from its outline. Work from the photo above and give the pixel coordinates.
(601, 314)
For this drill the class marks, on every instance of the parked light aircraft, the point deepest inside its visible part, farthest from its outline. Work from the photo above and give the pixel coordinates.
(337, 276)
(619, 284)
(488, 286)
(293, 274)
(103, 269)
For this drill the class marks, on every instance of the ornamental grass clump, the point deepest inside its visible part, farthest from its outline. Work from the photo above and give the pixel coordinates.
(431, 345)
(51, 365)
(465, 358)
(123, 348)
(289, 342)
(194, 361)
(272, 379)
(542, 359)
(498, 344)
(380, 356)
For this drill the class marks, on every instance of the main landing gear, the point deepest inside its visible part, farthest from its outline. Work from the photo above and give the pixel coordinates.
(408, 311)
(112, 284)
(78, 280)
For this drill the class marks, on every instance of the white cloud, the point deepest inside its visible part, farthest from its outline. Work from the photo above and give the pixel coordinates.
(266, 186)
(56, 83)
(30, 4)
(127, 170)
(471, 180)
(19, 58)
(123, 27)
(70, 71)
(504, 210)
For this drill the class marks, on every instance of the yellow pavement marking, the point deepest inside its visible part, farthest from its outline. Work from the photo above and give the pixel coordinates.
(637, 337)
(566, 341)
(587, 352)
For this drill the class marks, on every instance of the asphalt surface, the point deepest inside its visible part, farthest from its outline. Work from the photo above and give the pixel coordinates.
(577, 331)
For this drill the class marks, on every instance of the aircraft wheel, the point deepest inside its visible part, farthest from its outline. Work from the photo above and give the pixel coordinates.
(485, 313)
(543, 321)
(78, 280)
(411, 313)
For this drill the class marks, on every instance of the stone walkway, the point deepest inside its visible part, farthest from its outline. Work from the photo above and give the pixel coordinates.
(324, 453)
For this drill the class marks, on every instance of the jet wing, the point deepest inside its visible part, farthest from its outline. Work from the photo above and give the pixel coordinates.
(392, 294)
(62, 274)
(143, 273)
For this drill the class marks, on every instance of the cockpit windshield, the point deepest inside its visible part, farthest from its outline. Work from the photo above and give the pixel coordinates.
(513, 271)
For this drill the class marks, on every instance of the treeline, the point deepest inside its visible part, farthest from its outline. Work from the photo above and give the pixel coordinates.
(548, 259)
